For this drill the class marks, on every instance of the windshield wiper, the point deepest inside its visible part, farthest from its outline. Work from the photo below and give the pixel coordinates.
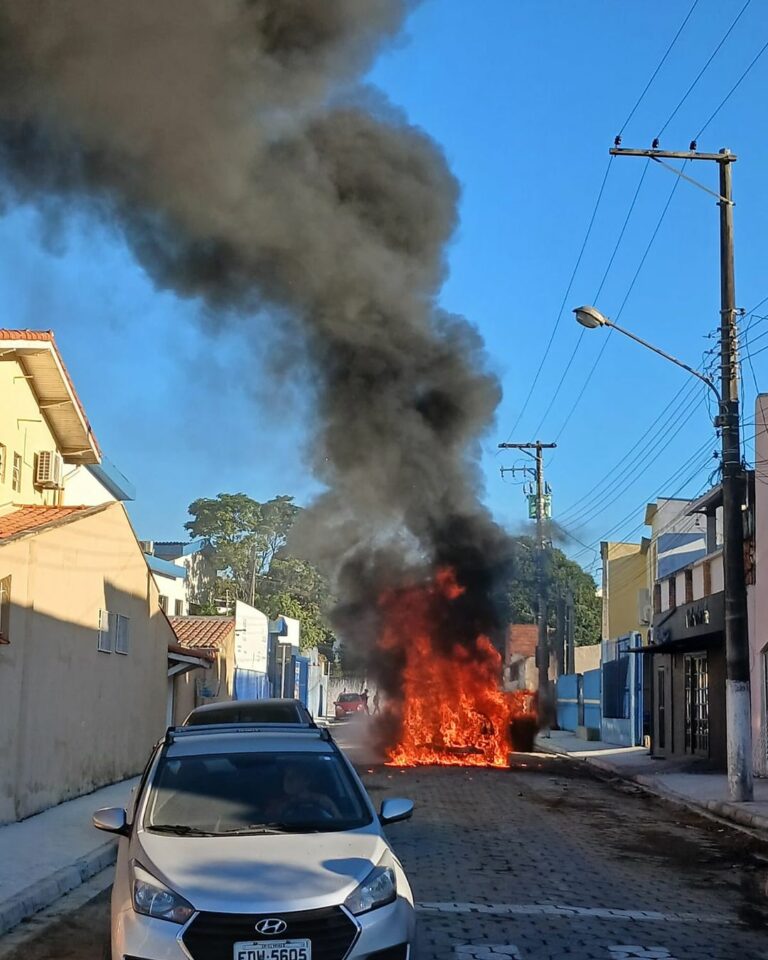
(275, 826)
(180, 829)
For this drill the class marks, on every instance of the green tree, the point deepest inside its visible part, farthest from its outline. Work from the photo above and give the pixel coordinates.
(249, 543)
(564, 576)
(244, 534)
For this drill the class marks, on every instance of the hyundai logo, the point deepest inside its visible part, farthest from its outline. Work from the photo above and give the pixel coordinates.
(271, 927)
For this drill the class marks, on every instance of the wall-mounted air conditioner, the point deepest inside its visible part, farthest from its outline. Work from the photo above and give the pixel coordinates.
(49, 469)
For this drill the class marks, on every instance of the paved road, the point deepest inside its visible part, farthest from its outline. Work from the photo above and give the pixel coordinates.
(544, 862)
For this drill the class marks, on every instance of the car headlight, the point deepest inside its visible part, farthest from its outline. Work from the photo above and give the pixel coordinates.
(378, 889)
(153, 899)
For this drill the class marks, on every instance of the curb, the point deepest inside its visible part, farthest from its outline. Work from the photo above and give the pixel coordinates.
(37, 896)
(717, 809)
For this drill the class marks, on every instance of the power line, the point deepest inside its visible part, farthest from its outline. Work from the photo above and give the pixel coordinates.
(703, 70)
(620, 237)
(659, 66)
(599, 356)
(675, 476)
(564, 300)
(604, 503)
(733, 89)
(609, 475)
(587, 512)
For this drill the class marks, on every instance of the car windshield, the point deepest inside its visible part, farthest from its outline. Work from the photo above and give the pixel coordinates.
(350, 697)
(242, 793)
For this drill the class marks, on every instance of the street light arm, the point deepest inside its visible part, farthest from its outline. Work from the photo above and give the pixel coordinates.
(667, 356)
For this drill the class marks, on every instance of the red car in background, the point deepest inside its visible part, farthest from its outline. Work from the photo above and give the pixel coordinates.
(349, 704)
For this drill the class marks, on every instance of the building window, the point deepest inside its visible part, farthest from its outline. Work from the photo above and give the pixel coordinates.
(179, 608)
(672, 592)
(121, 633)
(657, 598)
(689, 586)
(5, 610)
(163, 603)
(16, 475)
(3, 455)
(105, 634)
(113, 632)
(696, 704)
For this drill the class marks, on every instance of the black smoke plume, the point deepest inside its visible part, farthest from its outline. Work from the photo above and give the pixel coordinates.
(237, 148)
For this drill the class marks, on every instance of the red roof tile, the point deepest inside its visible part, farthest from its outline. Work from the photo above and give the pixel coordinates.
(522, 639)
(30, 518)
(202, 632)
(26, 335)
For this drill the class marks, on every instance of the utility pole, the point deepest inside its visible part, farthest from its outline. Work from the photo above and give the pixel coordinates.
(542, 646)
(738, 710)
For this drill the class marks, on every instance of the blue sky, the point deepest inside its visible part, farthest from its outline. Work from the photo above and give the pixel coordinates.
(525, 100)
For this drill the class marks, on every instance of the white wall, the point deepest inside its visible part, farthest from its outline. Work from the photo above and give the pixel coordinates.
(174, 588)
(251, 638)
(81, 488)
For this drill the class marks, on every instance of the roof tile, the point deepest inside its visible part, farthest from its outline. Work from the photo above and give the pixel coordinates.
(31, 517)
(202, 632)
(26, 334)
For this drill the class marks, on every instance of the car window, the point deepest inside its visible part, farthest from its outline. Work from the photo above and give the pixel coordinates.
(259, 713)
(350, 697)
(251, 792)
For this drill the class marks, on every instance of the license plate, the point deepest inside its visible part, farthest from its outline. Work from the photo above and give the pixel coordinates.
(274, 950)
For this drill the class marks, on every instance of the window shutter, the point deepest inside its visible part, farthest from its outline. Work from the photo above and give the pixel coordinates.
(121, 638)
(105, 637)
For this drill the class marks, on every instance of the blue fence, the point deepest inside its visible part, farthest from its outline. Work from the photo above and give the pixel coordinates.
(622, 691)
(578, 700)
(568, 698)
(591, 684)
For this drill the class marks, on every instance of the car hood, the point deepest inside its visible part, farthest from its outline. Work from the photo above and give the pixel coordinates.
(261, 874)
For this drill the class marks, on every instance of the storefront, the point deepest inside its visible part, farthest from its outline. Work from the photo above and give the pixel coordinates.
(687, 687)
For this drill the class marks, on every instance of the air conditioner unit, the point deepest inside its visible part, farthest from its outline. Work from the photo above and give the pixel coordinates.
(646, 614)
(49, 469)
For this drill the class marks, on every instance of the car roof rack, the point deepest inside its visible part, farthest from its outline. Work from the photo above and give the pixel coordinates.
(205, 729)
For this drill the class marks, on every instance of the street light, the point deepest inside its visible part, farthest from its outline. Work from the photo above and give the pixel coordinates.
(591, 318)
(736, 640)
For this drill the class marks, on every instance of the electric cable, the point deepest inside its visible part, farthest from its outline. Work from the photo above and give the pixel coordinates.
(703, 70)
(659, 65)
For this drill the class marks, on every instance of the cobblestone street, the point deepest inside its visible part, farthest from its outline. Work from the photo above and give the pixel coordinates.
(546, 862)
(542, 862)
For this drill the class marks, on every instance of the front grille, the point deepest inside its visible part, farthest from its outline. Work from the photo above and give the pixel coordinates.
(211, 936)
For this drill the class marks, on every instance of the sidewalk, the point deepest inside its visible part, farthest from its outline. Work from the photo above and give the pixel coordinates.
(48, 855)
(698, 791)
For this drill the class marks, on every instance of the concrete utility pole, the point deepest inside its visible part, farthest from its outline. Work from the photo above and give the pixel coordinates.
(542, 646)
(738, 719)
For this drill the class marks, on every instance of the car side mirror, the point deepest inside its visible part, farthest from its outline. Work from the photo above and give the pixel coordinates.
(396, 809)
(112, 820)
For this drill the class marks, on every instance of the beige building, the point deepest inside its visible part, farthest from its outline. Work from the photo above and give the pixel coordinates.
(83, 642)
(625, 593)
(83, 662)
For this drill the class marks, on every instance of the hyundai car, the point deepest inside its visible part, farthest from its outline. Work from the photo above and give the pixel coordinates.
(256, 842)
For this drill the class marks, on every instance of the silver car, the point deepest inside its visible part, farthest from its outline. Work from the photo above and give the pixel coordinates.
(248, 842)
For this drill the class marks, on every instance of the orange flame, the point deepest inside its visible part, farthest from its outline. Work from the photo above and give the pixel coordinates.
(453, 711)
